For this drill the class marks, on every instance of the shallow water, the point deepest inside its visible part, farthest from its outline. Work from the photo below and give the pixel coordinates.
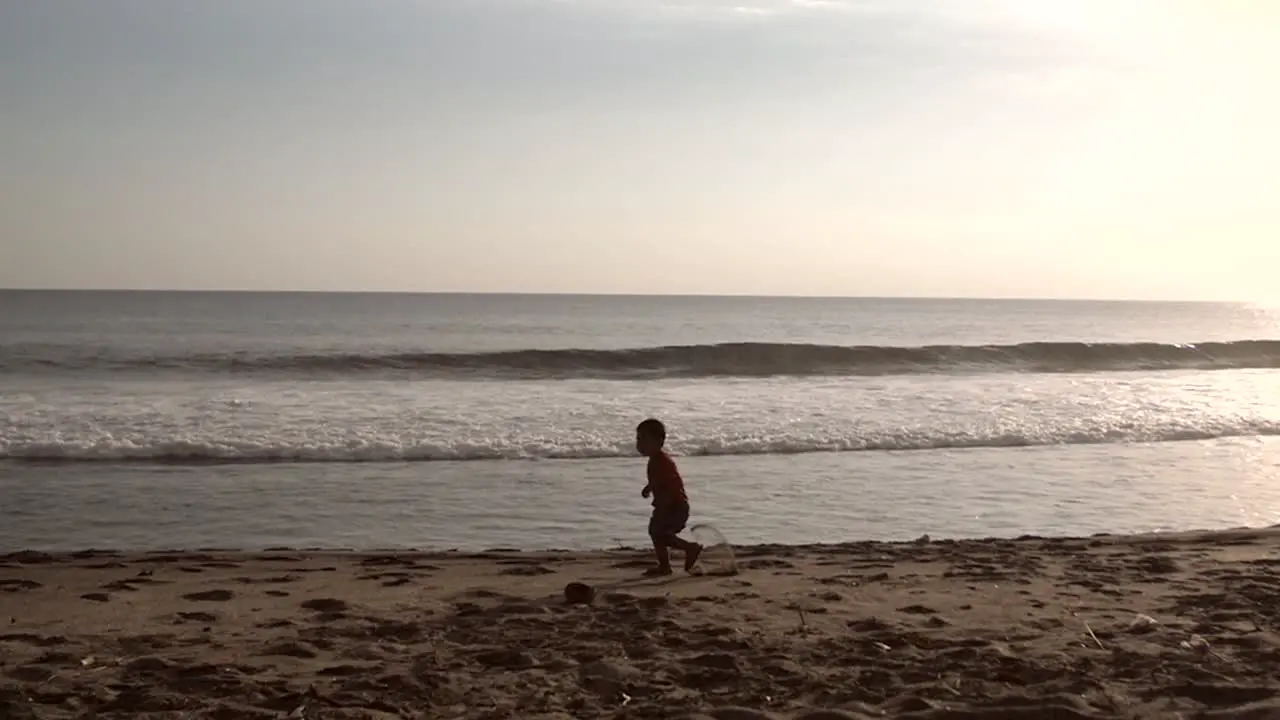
(585, 504)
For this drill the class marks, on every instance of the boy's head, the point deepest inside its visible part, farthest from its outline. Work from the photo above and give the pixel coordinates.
(650, 436)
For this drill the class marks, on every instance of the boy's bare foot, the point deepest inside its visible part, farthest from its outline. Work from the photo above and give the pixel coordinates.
(691, 557)
(657, 572)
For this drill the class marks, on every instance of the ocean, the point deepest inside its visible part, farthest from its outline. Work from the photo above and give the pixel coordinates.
(159, 420)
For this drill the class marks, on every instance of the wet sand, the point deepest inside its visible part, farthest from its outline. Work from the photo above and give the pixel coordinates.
(1163, 626)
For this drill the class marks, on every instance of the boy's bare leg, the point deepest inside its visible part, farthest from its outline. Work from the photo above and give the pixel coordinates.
(677, 542)
(664, 557)
(691, 550)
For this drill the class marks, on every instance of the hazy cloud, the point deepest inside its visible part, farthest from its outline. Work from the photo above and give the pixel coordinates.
(834, 146)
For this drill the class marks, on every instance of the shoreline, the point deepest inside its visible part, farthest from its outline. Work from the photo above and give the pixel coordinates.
(1118, 538)
(1102, 626)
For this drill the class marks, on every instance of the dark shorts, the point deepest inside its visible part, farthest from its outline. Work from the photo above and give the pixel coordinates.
(669, 520)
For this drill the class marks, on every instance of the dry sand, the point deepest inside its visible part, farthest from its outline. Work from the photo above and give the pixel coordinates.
(1154, 626)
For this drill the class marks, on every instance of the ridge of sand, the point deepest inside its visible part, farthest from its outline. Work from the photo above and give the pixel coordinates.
(1164, 626)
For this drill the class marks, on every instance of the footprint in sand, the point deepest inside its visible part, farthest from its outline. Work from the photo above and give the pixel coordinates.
(202, 617)
(172, 557)
(527, 571)
(386, 576)
(874, 625)
(1157, 565)
(291, 649)
(148, 665)
(766, 563)
(62, 659)
(120, 586)
(31, 673)
(385, 560)
(878, 577)
(507, 659)
(35, 640)
(145, 580)
(28, 557)
(96, 597)
(806, 608)
(18, 585)
(276, 593)
(917, 610)
(210, 596)
(326, 605)
(91, 553)
(270, 580)
(347, 670)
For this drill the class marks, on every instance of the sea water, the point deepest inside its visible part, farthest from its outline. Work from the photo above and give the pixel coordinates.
(248, 420)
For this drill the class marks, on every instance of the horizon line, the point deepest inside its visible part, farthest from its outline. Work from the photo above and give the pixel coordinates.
(969, 298)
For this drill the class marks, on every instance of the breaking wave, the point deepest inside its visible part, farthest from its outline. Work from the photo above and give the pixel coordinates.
(744, 359)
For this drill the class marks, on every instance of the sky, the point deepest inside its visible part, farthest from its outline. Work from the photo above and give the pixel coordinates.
(988, 148)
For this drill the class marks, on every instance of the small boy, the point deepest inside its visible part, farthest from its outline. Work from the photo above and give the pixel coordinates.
(670, 504)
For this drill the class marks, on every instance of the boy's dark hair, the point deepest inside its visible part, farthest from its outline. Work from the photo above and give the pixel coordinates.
(653, 428)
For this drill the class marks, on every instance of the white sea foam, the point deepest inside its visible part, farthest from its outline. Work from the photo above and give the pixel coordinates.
(320, 441)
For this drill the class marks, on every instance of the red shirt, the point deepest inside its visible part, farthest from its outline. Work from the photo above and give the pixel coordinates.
(665, 481)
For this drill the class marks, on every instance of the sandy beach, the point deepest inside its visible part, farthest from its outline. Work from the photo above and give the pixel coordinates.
(1108, 626)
